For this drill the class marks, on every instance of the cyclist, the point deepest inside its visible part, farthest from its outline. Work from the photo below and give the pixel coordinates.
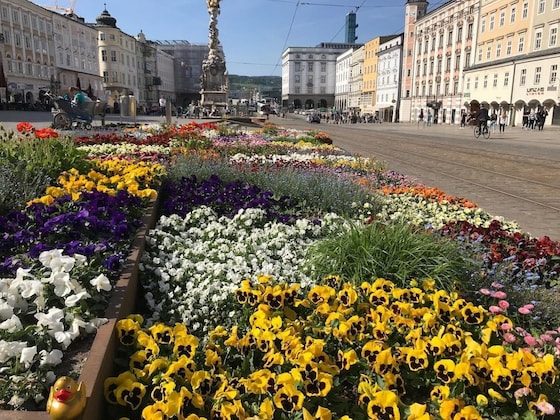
(482, 117)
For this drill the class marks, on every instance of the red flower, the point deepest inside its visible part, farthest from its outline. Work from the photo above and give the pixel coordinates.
(46, 133)
(24, 127)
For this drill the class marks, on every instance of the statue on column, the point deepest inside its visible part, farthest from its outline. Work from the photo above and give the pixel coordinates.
(214, 75)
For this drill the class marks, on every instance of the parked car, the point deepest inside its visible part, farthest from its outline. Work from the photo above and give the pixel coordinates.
(314, 118)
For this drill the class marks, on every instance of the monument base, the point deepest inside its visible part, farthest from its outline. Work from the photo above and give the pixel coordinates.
(216, 98)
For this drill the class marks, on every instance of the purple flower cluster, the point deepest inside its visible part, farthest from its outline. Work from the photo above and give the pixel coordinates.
(96, 225)
(225, 198)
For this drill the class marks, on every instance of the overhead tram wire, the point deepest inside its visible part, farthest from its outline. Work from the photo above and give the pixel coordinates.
(287, 35)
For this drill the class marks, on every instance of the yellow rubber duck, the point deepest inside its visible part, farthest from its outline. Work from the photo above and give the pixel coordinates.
(67, 399)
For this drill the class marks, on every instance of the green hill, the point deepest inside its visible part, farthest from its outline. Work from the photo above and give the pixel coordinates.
(268, 86)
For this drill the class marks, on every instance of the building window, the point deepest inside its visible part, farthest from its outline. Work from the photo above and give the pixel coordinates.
(450, 38)
(555, 4)
(103, 55)
(502, 18)
(537, 75)
(553, 36)
(480, 54)
(323, 67)
(476, 82)
(468, 86)
(309, 66)
(495, 82)
(297, 66)
(459, 33)
(540, 11)
(470, 31)
(323, 79)
(467, 59)
(523, 77)
(498, 50)
(431, 66)
(17, 39)
(439, 65)
(27, 42)
(521, 44)
(506, 78)
(512, 15)
(525, 11)
(29, 69)
(553, 73)
(485, 82)
(508, 47)
(488, 53)
(105, 77)
(457, 61)
(297, 78)
(102, 36)
(491, 25)
(483, 25)
(440, 41)
(538, 40)
(114, 56)
(448, 64)
(15, 16)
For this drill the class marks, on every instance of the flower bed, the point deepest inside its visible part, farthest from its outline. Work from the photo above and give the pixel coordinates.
(259, 335)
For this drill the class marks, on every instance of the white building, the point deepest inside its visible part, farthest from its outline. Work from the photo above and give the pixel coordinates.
(389, 78)
(356, 80)
(309, 76)
(76, 55)
(27, 52)
(343, 78)
(117, 56)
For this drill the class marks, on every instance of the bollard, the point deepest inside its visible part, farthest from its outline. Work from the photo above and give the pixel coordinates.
(168, 113)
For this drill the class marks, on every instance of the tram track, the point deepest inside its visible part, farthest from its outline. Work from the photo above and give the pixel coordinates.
(516, 175)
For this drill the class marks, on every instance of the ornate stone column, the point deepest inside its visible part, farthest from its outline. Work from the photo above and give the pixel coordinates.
(214, 81)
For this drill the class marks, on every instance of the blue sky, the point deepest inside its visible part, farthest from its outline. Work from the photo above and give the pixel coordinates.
(253, 33)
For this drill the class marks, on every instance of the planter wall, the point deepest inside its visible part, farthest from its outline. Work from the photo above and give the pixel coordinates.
(99, 364)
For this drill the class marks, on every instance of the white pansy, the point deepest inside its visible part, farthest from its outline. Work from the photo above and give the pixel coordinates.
(27, 355)
(52, 320)
(61, 282)
(52, 358)
(101, 282)
(6, 310)
(74, 299)
(9, 349)
(11, 324)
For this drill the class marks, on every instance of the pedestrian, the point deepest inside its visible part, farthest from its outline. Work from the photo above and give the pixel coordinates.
(541, 118)
(525, 119)
(463, 118)
(493, 121)
(420, 118)
(532, 120)
(503, 121)
(162, 105)
(429, 119)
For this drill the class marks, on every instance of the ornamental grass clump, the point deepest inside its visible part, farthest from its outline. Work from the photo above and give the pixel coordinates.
(336, 349)
(313, 192)
(397, 251)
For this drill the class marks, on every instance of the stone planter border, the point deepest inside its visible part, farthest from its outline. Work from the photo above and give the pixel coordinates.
(99, 364)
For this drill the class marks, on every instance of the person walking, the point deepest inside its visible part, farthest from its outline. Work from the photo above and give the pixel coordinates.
(162, 104)
(463, 118)
(420, 118)
(502, 122)
(429, 119)
(493, 121)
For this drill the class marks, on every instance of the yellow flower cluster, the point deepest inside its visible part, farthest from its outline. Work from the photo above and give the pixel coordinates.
(336, 350)
(109, 176)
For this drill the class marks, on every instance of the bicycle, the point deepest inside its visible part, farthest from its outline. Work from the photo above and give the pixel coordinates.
(485, 132)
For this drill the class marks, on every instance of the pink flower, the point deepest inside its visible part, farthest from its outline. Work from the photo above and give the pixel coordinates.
(509, 338)
(530, 341)
(505, 326)
(522, 392)
(499, 295)
(497, 286)
(523, 310)
(529, 306)
(504, 304)
(495, 309)
(546, 408)
(485, 292)
(552, 332)
(547, 338)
